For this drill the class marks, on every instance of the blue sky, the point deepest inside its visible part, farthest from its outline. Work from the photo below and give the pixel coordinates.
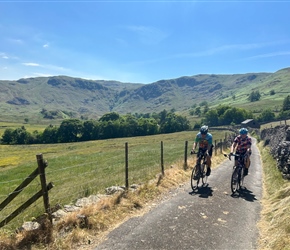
(142, 41)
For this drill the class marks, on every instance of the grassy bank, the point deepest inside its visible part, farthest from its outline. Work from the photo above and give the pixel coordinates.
(274, 224)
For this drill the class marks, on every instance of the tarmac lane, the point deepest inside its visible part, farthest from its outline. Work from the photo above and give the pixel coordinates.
(208, 218)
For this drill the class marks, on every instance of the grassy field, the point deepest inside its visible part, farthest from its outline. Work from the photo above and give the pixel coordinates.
(84, 168)
(81, 169)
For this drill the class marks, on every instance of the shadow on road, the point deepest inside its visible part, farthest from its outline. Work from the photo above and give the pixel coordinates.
(203, 192)
(246, 194)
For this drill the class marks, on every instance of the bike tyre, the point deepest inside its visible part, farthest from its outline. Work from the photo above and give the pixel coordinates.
(194, 183)
(203, 169)
(234, 181)
(241, 178)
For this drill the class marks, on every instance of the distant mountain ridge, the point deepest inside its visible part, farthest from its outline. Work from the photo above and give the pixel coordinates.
(93, 98)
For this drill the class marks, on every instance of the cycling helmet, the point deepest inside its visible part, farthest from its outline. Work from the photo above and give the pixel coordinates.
(243, 131)
(204, 130)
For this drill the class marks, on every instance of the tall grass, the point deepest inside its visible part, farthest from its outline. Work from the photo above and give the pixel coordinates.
(274, 224)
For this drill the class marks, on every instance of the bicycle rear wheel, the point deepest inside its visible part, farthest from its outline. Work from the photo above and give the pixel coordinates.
(195, 177)
(235, 180)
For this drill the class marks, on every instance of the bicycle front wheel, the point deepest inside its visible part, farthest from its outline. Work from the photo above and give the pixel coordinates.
(235, 180)
(203, 169)
(241, 178)
(195, 177)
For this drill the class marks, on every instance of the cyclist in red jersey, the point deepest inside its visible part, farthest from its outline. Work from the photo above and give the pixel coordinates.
(242, 144)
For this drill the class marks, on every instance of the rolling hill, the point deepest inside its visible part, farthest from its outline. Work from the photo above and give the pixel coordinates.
(64, 96)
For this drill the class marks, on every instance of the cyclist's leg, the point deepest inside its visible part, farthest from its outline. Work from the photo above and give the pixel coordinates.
(236, 160)
(247, 165)
(208, 162)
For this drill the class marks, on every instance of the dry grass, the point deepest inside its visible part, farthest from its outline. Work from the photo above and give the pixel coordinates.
(87, 227)
(274, 224)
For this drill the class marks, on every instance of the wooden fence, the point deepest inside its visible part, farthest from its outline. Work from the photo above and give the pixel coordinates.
(40, 171)
(42, 193)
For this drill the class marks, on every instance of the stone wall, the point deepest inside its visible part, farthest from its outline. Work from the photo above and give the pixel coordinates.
(278, 139)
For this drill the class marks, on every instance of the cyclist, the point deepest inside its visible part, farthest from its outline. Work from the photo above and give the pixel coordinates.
(242, 145)
(204, 140)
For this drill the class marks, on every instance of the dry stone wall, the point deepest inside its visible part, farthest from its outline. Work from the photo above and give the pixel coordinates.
(278, 139)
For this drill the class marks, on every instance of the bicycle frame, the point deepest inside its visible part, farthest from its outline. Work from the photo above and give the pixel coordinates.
(199, 170)
(237, 178)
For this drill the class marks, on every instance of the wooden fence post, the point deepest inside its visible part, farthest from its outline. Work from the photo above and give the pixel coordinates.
(41, 168)
(162, 162)
(126, 166)
(185, 155)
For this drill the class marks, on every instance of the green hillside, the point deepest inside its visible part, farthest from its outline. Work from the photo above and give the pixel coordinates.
(47, 99)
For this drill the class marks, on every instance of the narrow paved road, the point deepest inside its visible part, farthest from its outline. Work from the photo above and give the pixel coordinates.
(210, 218)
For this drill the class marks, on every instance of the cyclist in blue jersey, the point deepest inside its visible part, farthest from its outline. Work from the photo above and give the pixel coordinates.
(204, 141)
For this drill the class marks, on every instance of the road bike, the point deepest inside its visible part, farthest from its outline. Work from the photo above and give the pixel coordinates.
(237, 178)
(198, 174)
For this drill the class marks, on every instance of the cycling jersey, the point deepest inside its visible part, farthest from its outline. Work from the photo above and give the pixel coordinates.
(203, 142)
(242, 144)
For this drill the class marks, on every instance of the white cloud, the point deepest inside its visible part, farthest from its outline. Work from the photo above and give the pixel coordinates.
(46, 45)
(31, 64)
(280, 53)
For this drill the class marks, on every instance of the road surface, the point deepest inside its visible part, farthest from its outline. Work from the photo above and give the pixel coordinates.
(210, 218)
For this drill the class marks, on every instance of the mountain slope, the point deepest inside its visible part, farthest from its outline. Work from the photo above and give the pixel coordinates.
(76, 97)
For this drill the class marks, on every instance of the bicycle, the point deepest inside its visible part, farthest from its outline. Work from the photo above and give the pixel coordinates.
(237, 178)
(199, 171)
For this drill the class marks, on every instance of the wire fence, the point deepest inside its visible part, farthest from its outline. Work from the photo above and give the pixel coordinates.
(81, 175)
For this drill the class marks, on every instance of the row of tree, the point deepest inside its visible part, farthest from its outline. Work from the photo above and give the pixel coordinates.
(110, 125)
(228, 115)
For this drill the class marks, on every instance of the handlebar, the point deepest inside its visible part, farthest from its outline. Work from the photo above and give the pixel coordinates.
(232, 154)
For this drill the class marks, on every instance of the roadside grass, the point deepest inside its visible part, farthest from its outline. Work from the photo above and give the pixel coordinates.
(81, 169)
(274, 224)
(71, 233)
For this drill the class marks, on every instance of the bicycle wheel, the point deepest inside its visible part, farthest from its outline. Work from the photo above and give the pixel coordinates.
(195, 177)
(203, 169)
(235, 180)
(241, 177)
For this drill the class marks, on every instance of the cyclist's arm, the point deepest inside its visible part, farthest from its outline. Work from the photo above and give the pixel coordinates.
(195, 143)
(209, 145)
(233, 147)
(249, 144)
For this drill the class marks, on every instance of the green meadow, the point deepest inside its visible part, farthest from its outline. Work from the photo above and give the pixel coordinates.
(84, 168)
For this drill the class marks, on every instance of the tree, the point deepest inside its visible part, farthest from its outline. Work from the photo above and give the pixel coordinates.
(266, 116)
(212, 118)
(197, 111)
(70, 130)
(254, 96)
(286, 103)
(50, 135)
(8, 137)
(112, 116)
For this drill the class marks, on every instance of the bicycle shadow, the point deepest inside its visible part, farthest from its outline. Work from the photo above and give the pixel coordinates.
(204, 191)
(245, 194)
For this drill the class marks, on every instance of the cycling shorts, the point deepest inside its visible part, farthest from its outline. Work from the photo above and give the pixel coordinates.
(203, 151)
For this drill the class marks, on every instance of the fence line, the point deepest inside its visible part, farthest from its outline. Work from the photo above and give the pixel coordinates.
(97, 174)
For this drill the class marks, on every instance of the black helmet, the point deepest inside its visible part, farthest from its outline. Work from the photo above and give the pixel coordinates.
(203, 130)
